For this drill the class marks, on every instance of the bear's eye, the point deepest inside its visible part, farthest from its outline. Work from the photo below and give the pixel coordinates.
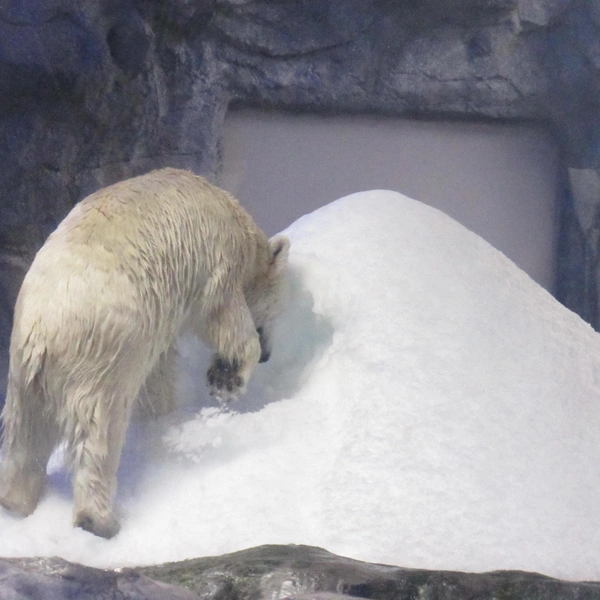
(259, 330)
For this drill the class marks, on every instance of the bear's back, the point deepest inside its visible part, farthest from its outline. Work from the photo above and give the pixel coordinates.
(168, 219)
(160, 206)
(152, 242)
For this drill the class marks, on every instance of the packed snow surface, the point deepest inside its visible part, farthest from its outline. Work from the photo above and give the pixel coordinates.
(427, 405)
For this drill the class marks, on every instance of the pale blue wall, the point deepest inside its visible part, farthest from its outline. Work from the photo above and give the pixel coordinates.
(498, 180)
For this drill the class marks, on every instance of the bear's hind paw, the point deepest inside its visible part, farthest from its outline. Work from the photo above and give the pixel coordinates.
(106, 528)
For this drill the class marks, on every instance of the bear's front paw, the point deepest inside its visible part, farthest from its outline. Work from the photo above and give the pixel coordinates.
(224, 379)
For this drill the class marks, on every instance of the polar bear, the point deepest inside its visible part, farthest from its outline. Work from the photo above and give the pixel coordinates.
(98, 314)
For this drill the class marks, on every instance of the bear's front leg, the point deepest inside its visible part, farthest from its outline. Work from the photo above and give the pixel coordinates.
(237, 348)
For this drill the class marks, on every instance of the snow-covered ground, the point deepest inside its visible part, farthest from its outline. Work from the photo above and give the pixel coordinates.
(426, 405)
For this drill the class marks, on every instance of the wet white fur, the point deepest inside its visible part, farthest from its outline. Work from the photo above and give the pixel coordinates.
(97, 316)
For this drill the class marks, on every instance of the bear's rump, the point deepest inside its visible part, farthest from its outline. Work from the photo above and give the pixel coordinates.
(81, 332)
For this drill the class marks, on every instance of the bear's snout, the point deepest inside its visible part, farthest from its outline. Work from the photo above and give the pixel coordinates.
(265, 352)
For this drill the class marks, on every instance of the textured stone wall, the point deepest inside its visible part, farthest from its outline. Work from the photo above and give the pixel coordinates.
(92, 92)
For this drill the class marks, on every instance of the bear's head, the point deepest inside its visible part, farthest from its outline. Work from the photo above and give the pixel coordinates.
(266, 296)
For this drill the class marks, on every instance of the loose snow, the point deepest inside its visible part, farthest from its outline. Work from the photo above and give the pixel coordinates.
(427, 405)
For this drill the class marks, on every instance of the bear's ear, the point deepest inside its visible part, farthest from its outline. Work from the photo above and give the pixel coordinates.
(280, 249)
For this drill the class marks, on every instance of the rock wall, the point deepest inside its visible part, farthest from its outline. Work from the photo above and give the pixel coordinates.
(94, 92)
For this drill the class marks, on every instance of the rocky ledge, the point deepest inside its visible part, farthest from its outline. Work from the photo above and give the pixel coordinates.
(274, 573)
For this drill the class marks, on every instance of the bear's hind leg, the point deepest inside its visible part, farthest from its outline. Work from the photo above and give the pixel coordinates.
(96, 455)
(157, 396)
(30, 436)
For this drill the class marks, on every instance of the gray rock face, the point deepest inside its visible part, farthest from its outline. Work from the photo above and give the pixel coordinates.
(268, 572)
(98, 91)
(56, 579)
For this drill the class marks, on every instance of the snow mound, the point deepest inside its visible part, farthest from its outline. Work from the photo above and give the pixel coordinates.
(427, 405)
